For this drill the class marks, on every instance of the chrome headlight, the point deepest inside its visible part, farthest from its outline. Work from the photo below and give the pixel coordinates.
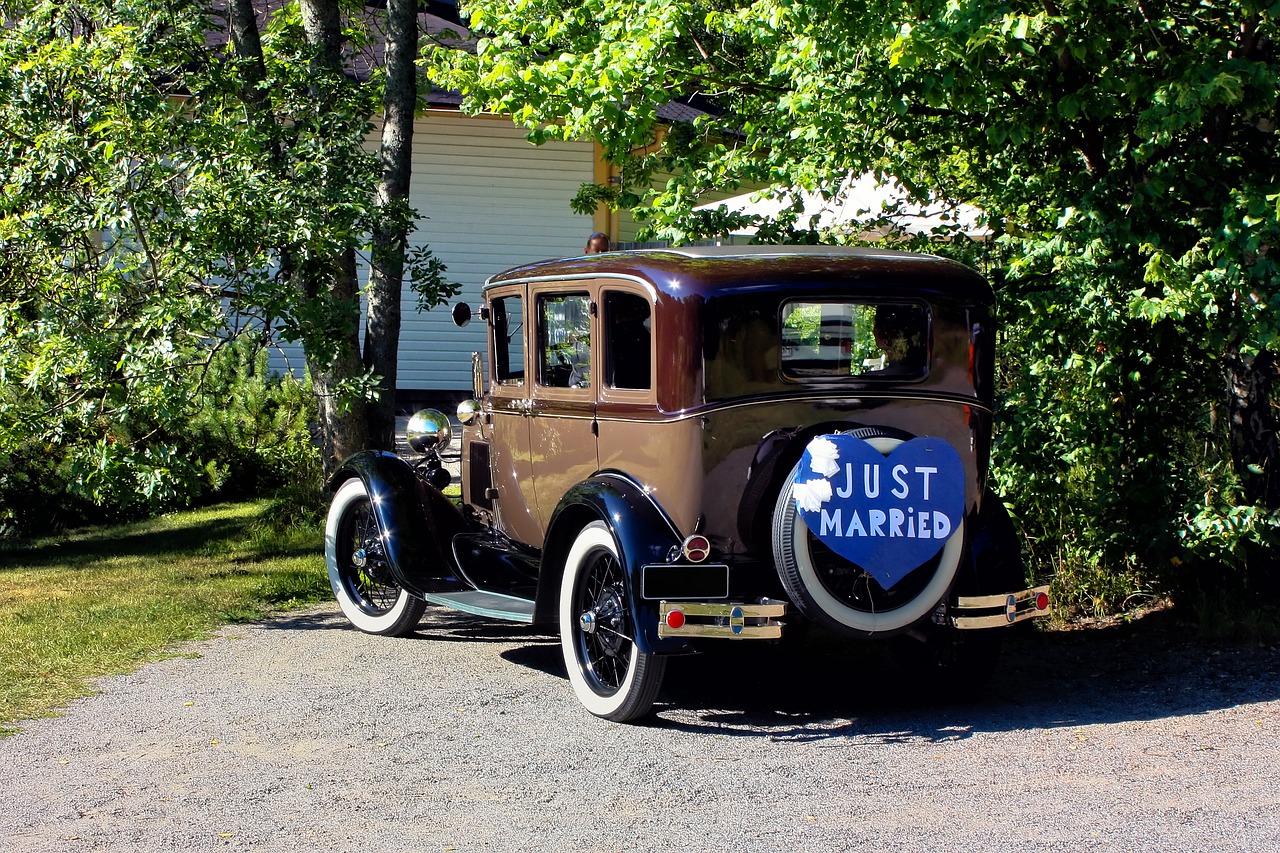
(428, 429)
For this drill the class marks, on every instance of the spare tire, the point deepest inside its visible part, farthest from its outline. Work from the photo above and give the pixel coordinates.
(843, 596)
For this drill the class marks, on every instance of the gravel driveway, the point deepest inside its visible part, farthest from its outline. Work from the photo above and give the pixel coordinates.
(300, 734)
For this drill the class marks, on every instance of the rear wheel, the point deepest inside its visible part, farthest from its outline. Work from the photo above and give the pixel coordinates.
(610, 676)
(359, 573)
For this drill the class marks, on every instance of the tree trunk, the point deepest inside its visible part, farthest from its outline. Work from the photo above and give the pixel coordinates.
(322, 23)
(247, 44)
(391, 228)
(342, 416)
(322, 282)
(1252, 423)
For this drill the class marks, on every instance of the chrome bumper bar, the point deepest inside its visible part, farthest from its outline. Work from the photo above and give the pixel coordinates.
(995, 611)
(729, 620)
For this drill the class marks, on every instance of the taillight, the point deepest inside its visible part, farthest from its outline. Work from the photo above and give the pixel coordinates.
(696, 548)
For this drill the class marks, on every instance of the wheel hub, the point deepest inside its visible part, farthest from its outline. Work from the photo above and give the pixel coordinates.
(604, 622)
(368, 559)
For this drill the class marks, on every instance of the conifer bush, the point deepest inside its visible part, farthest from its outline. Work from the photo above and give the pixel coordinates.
(238, 431)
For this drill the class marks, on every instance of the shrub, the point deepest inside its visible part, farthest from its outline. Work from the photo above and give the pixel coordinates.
(237, 431)
(251, 430)
(1109, 447)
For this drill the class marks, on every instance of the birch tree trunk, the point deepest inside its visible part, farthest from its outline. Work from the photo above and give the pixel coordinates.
(391, 228)
(342, 419)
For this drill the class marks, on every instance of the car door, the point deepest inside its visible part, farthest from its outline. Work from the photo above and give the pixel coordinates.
(509, 397)
(633, 436)
(562, 428)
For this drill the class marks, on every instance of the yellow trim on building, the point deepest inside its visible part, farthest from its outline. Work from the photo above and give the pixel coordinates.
(604, 219)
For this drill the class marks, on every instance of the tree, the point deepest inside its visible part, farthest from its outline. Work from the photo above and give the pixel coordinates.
(387, 260)
(165, 193)
(1125, 155)
(112, 278)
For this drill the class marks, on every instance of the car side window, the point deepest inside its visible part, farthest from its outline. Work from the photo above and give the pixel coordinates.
(508, 340)
(628, 341)
(564, 340)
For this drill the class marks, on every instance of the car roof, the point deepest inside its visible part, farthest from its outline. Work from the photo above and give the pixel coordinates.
(712, 271)
(785, 251)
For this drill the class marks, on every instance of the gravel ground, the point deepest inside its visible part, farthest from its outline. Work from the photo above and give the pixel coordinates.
(301, 734)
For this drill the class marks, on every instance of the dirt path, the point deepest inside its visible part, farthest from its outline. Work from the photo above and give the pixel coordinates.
(301, 734)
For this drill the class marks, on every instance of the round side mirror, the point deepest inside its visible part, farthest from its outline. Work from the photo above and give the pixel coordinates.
(467, 411)
(462, 314)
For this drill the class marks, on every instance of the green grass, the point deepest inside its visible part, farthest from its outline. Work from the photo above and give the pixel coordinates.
(106, 600)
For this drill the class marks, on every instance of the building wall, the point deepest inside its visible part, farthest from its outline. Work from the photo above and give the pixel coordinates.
(492, 201)
(489, 201)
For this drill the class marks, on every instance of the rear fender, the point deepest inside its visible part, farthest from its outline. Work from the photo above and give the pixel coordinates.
(994, 564)
(417, 521)
(643, 533)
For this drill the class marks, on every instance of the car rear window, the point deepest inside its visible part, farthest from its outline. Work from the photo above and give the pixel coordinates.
(838, 340)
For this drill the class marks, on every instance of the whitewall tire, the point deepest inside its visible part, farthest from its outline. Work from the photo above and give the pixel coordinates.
(358, 572)
(611, 677)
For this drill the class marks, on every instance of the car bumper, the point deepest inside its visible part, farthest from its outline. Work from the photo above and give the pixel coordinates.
(997, 611)
(757, 620)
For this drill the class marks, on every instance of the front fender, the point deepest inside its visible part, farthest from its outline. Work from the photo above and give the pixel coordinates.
(415, 520)
(643, 532)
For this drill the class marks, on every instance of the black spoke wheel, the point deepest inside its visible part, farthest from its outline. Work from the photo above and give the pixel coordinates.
(610, 675)
(359, 572)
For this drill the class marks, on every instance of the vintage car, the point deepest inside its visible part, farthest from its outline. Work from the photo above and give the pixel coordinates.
(670, 448)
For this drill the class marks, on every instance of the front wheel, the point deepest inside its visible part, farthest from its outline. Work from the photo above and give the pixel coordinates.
(610, 676)
(358, 570)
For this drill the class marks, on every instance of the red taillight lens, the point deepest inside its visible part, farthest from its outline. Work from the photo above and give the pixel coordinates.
(1042, 601)
(696, 548)
(675, 619)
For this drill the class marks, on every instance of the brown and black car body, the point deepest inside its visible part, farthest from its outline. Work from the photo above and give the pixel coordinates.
(634, 459)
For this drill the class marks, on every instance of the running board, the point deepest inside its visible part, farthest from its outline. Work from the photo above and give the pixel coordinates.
(491, 604)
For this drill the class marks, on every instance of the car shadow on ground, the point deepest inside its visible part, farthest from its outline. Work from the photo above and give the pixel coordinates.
(823, 687)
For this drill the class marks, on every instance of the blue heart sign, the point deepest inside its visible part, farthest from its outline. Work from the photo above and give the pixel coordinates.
(887, 514)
